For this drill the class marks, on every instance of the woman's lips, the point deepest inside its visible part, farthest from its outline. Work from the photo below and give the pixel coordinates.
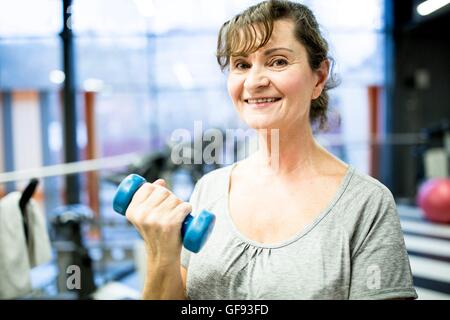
(261, 103)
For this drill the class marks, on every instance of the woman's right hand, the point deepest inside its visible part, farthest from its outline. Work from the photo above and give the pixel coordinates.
(158, 216)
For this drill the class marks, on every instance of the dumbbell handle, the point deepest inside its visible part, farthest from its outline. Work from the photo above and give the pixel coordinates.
(194, 231)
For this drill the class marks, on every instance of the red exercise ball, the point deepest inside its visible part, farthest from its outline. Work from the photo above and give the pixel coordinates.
(434, 199)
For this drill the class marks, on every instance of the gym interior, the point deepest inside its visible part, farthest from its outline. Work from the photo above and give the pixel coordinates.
(92, 91)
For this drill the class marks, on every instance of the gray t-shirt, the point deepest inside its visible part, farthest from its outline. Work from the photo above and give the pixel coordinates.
(354, 249)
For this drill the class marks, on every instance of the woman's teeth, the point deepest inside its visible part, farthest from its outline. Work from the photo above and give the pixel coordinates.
(263, 100)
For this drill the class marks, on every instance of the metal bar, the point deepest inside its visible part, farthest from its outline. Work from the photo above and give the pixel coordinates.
(70, 168)
(69, 109)
(51, 189)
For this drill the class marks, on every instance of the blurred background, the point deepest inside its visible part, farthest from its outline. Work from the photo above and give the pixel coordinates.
(105, 83)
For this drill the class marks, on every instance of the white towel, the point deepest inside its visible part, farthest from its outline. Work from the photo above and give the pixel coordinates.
(16, 258)
(39, 246)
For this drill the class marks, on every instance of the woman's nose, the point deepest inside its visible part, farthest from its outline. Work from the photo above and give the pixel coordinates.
(256, 78)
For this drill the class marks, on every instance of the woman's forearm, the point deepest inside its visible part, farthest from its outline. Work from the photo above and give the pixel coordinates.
(163, 283)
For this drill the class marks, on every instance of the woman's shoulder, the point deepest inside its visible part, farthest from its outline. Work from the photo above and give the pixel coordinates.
(368, 213)
(212, 185)
(365, 200)
(365, 184)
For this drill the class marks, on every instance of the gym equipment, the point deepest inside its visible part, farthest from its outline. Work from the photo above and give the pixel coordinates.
(432, 151)
(159, 164)
(194, 231)
(434, 199)
(67, 239)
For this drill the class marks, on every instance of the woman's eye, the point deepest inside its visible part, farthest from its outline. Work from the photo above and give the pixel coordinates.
(241, 65)
(279, 63)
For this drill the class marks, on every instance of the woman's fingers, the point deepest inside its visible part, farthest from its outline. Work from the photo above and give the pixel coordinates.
(145, 190)
(148, 195)
(158, 214)
(142, 193)
(160, 182)
(139, 196)
(182, 210)
(158, 196)
(153, 204)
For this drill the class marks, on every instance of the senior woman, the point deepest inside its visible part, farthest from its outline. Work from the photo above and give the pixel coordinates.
(293, 222)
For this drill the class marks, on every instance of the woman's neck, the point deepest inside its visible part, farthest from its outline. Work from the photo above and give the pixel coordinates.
(282, 152)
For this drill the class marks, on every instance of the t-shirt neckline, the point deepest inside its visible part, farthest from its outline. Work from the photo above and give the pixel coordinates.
(301, 233)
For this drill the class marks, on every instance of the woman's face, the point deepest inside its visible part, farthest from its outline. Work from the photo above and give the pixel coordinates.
(273, 87)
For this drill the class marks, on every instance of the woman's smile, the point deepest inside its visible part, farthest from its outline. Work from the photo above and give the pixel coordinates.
(261, 102)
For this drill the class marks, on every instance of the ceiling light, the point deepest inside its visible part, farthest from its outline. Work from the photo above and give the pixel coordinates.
(57, 76)
(430, 6)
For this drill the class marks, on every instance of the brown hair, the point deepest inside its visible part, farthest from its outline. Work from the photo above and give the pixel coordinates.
(250, 30)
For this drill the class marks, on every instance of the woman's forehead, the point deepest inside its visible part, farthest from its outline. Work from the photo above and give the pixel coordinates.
(283, 31)
(282, 36)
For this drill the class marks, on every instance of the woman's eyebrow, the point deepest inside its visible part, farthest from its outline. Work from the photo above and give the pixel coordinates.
(272, 50)
(266, 52)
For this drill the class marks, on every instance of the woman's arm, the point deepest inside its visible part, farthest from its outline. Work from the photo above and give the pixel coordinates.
(164, 283)
(158, 215)
(183, 272)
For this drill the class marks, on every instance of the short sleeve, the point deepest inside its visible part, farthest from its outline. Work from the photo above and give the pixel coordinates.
(380, 267)
(194, 201)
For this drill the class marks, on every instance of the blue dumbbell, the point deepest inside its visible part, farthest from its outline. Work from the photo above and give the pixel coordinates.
(194, 231)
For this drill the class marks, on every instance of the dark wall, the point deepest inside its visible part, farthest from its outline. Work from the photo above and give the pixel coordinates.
(421, 91)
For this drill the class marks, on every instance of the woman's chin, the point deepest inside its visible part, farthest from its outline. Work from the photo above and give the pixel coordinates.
(260, 124)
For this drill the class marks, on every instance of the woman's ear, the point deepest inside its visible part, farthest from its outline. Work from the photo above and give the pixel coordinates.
(322, 77)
